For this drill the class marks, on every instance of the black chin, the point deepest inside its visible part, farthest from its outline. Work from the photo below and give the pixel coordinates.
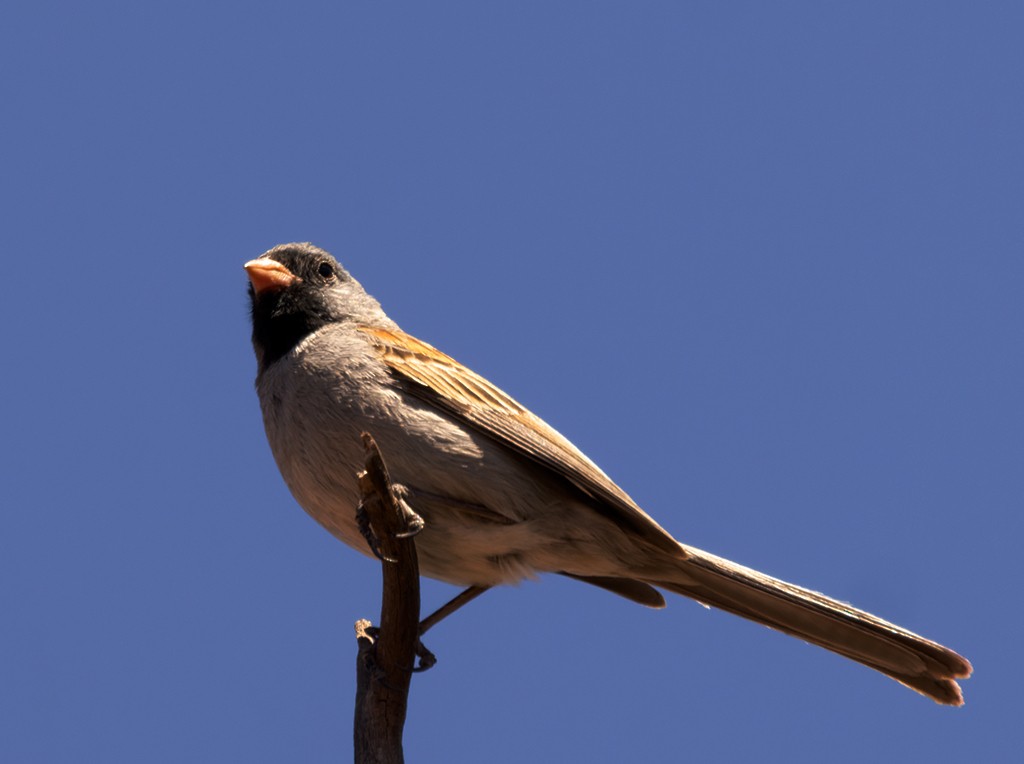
(281, 320)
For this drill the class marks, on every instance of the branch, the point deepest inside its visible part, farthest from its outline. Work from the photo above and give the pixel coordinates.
(385, 662)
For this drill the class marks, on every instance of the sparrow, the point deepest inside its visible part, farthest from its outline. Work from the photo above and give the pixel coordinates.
(503, 496)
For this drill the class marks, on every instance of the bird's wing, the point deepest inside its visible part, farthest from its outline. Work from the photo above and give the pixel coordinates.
(443, 382)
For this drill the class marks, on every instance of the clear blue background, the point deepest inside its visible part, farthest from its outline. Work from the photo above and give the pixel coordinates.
(762, 261)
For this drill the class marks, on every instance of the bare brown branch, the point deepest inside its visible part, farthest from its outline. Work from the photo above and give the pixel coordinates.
(385, 661)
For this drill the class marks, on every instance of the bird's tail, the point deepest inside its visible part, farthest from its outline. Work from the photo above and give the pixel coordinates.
(920, 664)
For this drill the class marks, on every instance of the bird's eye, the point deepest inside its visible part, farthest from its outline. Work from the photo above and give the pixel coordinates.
(326, 270)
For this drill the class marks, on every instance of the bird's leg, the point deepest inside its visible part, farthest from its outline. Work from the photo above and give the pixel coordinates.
(426, 657)
(462, 598)
(413, 525)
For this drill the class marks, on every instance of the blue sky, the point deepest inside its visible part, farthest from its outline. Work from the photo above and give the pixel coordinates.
(761, 261)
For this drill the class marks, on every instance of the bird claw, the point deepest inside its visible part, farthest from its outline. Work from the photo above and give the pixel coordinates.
(413, 523)
(427, 659)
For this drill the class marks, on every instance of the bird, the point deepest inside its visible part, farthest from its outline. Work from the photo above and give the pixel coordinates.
(502, 495)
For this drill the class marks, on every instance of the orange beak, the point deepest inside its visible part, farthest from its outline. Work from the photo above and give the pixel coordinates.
(268, 275)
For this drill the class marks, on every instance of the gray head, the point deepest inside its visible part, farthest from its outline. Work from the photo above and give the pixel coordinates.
(296, 289)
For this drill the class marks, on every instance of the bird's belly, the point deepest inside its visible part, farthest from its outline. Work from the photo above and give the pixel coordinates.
(480, 507)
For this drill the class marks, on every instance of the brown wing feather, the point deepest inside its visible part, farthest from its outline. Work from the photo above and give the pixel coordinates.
(444, 382)
(918, 663)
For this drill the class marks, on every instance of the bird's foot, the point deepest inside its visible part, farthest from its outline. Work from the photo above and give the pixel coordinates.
(412, 523)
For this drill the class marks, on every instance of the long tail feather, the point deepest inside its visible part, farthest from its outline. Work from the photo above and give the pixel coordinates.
(923, 665)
